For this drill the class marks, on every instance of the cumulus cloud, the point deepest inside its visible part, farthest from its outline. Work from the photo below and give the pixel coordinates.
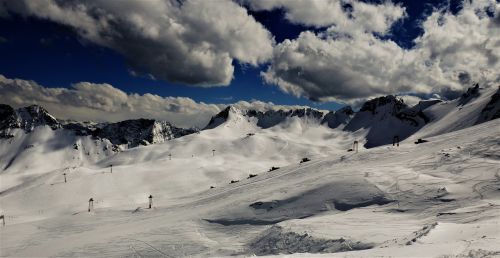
(86, 101)
(103, 102)
(350, 61)
(349, 57)
(191, 42)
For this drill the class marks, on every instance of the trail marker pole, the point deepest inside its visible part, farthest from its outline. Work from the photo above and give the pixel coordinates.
(64, 174)
(355, 146)
(213, 152)
(150, 201)
(3, 219)
(91, 204)
(111, 167)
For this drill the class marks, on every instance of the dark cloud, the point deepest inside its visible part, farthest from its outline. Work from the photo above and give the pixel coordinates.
(191, 42)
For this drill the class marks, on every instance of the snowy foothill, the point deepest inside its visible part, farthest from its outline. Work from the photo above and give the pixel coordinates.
(239, 188)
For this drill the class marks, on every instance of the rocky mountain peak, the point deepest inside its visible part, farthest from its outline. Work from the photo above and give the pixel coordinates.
(270, 118)
(387, 103)
(220, 118)
(265, 119)
(26, 118)
(132, 132)
(335, 118)
(135, 132)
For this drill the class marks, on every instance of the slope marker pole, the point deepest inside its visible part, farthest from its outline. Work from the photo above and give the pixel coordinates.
(91, 204)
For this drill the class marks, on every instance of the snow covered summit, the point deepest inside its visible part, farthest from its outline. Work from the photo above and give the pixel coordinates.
(387, 117)
(379, 120)
(269, 118)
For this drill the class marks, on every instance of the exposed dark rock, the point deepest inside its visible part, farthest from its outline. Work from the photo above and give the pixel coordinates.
(374, 104)
(130, 132)
(491, 110)
(140, 132)
(218, 119)
(265, 119)
(271, 118)
(341, 116)
(469, 95)
(386, 117)
(26, 118)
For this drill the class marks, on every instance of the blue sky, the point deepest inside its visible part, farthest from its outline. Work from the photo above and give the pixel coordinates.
(53, 55)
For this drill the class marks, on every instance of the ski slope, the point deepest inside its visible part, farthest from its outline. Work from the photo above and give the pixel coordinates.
(438, 198)
(441, 197)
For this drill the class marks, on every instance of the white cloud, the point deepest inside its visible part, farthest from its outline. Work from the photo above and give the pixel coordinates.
(102, 102)
(195, 42)
(192, 42)
(348, 63)
(410, 100)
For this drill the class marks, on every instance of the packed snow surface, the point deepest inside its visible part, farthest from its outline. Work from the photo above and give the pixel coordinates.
(437, 198)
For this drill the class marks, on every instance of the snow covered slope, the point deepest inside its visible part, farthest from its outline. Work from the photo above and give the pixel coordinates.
(438, 198)
(384, 118)
(475, 106)
(381, 119)
(242, 186)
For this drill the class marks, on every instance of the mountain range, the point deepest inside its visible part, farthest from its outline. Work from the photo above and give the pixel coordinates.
(384, 117)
